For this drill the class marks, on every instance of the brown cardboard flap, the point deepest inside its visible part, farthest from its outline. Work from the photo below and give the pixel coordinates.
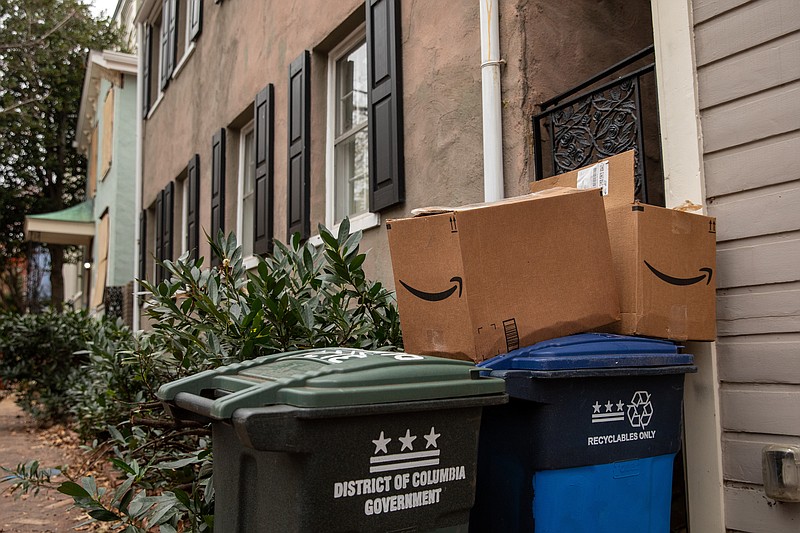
(621, 183)
(438, 209)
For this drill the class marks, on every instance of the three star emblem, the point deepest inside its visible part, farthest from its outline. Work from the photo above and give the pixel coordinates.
(406, 441)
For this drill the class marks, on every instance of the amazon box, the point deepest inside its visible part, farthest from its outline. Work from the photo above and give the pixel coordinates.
(478, 281)
(664, 259)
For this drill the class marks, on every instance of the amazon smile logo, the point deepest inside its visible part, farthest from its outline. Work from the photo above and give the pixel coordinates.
(707, 273)
(435, 296)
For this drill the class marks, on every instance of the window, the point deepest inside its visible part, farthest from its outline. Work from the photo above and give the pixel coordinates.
(247, 179)
(348, 187)
(364, 148)
(152, 65)
(168, 38)
(194, 20)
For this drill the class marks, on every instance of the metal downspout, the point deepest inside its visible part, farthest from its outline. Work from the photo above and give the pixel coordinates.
(492, 109)
(138, 176)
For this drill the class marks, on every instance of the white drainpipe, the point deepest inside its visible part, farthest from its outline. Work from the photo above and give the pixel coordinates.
(492, 109)
(138, 178)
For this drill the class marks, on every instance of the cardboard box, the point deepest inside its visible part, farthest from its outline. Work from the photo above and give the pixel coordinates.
(479, 281)
(664, 260)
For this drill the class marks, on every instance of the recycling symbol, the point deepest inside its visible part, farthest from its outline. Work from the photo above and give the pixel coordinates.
(640, 410)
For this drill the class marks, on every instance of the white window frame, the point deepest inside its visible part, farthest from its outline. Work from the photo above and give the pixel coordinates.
(188, 44)
(365, 220)
(250, 260)
(184, 213)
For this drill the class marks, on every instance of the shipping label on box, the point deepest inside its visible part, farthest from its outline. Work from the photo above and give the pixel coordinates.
(480, 281)
(664, 260)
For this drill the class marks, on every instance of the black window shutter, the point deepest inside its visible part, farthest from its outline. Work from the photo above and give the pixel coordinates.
(299, 148)
(265, 142)
(172, 58)
(143, 245)
(169, 222)
(148, 58)
(196, 24)
(217, 186)
(159, 234)
(386, 169)
(164, 44)
(193, 206)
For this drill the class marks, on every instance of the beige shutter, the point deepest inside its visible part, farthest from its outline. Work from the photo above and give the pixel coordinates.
(102, 262)
(108, 131)
(91, 167)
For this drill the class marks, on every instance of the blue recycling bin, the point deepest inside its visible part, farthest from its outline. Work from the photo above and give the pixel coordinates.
(588, 439)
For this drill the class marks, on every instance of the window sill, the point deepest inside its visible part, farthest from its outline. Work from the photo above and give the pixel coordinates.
(250, 262)
(186, 55)
(360, 222)
(155, 105)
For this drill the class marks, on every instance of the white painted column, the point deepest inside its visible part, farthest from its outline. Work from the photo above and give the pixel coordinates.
(682, 160)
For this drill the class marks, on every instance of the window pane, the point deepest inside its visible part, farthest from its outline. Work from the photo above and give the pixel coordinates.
(351, 89)
(352, 176)
(248, 200)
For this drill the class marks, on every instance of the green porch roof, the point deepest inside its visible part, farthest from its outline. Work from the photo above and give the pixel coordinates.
(83, 212)
(73, 225)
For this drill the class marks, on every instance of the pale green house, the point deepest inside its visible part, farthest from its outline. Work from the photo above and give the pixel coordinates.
(104, 224)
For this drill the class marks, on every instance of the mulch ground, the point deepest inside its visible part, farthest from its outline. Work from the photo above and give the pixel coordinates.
(22, 441)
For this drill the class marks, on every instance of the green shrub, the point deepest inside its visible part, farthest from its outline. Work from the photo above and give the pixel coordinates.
(300, 297)
(38, 353)
(104, 390)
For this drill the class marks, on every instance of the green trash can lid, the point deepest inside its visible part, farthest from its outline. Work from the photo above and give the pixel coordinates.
(333, 377)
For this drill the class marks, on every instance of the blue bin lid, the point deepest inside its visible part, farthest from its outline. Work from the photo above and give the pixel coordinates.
(591, 351)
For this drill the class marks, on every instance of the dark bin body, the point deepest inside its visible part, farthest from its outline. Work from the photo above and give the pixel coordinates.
(587, 440)
(406, 465)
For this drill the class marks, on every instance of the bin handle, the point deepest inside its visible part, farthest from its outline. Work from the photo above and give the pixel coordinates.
(194, 403)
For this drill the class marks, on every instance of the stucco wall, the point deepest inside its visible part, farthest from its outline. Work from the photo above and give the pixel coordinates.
(548, 46)
(246, 44)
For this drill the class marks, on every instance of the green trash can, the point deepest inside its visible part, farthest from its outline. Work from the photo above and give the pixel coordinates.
(340, 439)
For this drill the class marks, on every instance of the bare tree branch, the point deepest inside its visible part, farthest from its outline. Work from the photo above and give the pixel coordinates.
(21, 103)
(40, 40)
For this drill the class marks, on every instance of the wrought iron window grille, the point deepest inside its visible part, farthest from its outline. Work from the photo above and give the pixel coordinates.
(579, 126)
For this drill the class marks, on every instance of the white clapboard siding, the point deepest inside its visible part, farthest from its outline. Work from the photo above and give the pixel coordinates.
(758, 408)
(749, 119)
(766, 162)
(706, 9)
(745, 27)
(748, 85)
(741, 461)
(749, 509)
(761, 212)
(764, 67)
(759, 261)
(756, 310)
(770, 358)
